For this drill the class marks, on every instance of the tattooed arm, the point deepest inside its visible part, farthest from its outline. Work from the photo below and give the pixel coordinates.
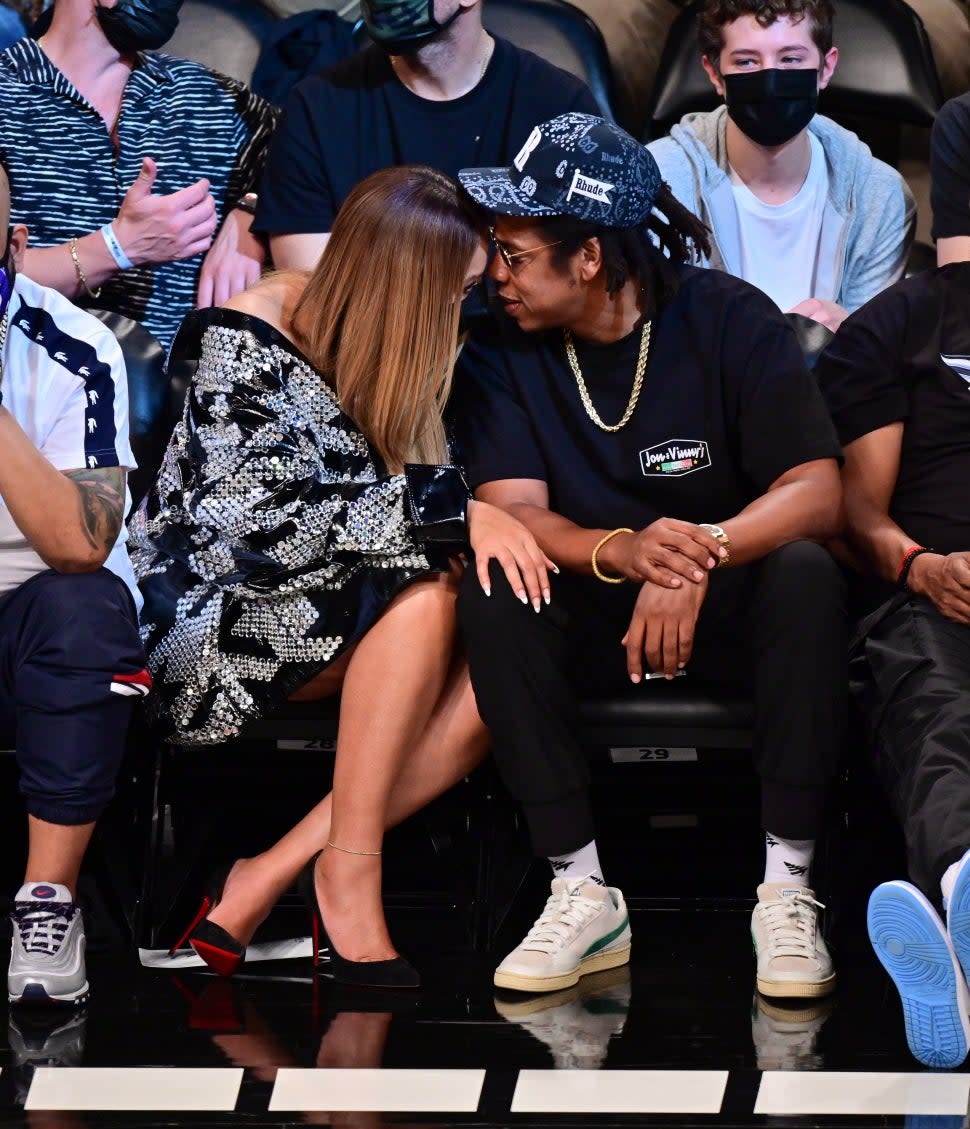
(71, 518)
(102, 504)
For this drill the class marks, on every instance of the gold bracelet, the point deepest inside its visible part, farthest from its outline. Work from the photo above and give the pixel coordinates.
(348, 851)
(81, 277)
(596, 568)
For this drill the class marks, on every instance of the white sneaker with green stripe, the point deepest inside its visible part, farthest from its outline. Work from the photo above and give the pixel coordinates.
(584, 928)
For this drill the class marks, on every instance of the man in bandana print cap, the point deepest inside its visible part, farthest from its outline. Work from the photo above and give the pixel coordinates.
(654, 426)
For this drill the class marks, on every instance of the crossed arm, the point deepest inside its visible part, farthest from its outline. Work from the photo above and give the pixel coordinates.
(71, 518)
(671, 559)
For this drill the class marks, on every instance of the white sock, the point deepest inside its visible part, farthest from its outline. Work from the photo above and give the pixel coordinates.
(949, 879)
(788, 860)
(584, 863)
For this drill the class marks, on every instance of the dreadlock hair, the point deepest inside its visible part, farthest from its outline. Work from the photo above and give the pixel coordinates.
(649, 253)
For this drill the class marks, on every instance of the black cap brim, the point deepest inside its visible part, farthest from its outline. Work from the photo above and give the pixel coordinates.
(493, 189)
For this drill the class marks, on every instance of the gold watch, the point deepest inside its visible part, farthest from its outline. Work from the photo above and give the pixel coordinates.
(722, 539)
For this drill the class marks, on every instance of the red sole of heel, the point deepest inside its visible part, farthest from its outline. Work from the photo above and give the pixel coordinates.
(219, 960)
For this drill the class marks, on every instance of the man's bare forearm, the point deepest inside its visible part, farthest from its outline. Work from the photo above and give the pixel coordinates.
(70, 524)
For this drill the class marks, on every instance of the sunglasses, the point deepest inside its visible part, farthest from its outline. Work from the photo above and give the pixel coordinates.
(510, 258)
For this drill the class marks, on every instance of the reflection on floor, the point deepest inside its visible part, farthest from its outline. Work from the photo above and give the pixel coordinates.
(676, 1038)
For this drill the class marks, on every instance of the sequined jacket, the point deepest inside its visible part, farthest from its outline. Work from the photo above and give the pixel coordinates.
(273, 538)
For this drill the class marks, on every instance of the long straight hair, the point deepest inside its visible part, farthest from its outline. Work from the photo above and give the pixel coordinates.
(379, 315)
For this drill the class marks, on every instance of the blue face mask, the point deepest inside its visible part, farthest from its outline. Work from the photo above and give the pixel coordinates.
(401, 26)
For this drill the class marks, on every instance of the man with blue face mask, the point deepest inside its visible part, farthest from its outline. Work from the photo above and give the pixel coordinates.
(434, 88)
(797, 205)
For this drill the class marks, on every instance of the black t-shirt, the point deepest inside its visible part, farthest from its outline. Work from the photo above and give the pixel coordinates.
(727, 407)
(950, 169)
(906, 356)
(355, 118)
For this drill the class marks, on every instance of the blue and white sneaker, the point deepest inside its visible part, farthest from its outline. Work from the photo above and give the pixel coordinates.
(912, 945)
(958, 915)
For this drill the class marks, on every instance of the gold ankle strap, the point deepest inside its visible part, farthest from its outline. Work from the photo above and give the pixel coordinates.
(348, 851)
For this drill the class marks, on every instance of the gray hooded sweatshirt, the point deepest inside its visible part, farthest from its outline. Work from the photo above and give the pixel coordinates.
(869, 218)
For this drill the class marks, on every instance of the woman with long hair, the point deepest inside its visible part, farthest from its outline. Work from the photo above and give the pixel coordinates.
(303, 538)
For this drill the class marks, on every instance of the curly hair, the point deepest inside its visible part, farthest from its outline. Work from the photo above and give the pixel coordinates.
(716, 13)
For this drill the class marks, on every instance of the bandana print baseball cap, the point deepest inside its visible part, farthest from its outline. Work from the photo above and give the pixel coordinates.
(576, 165)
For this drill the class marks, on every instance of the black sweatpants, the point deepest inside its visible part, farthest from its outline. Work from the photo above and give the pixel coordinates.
(777, 628)
(910, 675)
(71, 667)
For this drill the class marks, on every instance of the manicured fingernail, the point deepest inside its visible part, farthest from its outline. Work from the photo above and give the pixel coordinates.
(486, 590)
(555, 569)
(680, 666)
(698, 575)
(547, 596)
(722, 552)
(537, 604)
(675, 583)
(634, 678)
(711, 562)
(523, 597)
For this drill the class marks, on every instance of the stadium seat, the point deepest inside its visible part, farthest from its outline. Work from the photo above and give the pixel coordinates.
(227, 38)
(560, 34)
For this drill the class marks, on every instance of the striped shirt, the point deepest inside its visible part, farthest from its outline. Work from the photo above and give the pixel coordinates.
(69, 179)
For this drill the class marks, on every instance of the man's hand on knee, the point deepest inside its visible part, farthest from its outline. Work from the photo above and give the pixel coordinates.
(662, 628)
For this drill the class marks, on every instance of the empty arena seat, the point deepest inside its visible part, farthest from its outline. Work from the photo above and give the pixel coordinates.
(224, 37)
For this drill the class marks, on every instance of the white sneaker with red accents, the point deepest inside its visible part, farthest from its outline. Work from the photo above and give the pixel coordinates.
(584, 928)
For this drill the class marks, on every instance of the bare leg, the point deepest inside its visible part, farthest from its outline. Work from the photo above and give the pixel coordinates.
(55, 852)
(452, 742)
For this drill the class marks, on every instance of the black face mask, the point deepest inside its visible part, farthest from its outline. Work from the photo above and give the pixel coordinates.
(402, 26)
(772, 106)
(139, 25)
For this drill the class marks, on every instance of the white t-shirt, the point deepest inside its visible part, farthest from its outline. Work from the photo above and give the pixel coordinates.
(64, 381)
(780, 242)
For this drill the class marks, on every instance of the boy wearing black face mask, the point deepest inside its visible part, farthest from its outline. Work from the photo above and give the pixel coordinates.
(798, 206)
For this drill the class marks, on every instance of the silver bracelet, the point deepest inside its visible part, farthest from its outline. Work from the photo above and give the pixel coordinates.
(117, 251)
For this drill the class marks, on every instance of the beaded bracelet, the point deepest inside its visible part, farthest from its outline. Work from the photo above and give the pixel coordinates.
(902, 575)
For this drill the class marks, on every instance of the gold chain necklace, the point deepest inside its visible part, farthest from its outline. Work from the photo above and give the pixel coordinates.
(634, 392)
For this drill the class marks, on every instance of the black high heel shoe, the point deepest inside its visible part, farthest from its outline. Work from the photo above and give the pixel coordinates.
(217, 947)
(395, 973)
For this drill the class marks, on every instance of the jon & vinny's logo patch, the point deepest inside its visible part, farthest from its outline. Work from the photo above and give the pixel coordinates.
(675, 457)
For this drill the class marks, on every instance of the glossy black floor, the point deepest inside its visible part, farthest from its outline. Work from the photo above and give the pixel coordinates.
(686, 1003)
